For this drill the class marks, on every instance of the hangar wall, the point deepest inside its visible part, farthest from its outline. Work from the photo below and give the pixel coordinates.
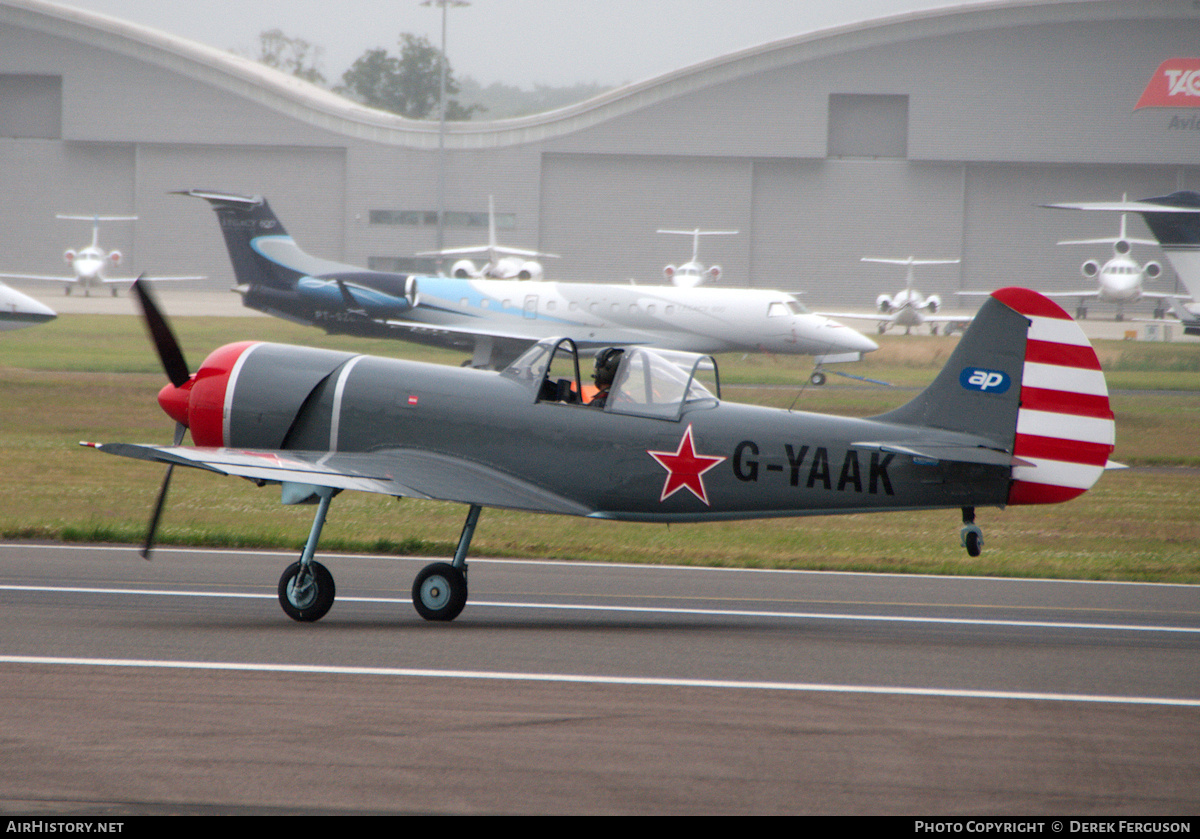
(932, 134)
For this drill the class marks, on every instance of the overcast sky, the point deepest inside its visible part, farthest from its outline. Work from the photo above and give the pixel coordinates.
(518, 42)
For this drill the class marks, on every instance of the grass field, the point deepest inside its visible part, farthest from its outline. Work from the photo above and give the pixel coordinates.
(92, 377)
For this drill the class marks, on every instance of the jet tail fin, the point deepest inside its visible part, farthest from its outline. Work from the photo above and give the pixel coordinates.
(245, 221)
(1025, 378)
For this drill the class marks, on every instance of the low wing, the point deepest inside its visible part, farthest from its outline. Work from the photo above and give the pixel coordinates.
(1095, 292)
(409, 473)
(487, 329)
(487, 249)
(890, 318)
(47, 277)
(856, 315)
(148, 278)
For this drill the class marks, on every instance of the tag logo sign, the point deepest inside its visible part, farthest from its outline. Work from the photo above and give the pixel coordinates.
(1175, 84)
(984, 381)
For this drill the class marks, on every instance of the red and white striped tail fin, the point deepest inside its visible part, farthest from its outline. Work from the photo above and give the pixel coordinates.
(1065, 428)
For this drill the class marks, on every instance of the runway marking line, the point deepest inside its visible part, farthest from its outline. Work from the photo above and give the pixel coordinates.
(665, 610)
(568, 678)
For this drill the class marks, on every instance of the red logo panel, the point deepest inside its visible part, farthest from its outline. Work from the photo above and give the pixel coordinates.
(1175, 84)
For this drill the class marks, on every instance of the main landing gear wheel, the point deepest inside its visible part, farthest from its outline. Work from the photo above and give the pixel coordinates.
(817, 378)
(439, 592)
(306, 594)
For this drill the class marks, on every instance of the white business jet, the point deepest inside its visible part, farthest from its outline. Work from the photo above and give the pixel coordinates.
(90, 263)
(503, 263)
(908, 307)
(692, 274)
(18, 310)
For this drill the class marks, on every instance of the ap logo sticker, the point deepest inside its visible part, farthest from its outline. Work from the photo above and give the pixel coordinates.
(984, 381)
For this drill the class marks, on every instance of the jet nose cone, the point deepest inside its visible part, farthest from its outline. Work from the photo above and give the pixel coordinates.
(845, 339)
(862, 343)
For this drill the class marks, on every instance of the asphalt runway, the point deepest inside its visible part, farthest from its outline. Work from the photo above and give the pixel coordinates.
(179, 686)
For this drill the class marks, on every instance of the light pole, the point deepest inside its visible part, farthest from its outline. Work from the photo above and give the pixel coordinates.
(441, 184)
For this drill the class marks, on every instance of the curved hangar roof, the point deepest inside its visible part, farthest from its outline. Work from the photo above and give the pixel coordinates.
(312, 105)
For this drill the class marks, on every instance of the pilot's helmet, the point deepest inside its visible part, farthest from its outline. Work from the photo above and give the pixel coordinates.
(607, 361)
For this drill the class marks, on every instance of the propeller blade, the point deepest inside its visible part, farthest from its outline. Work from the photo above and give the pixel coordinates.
(169, 352)
(154, 517)
(152, 530)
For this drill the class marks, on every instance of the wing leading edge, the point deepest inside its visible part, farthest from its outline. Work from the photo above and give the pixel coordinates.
(397, 472)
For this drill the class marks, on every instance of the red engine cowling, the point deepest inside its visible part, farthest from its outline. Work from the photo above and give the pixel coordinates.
(248, 394)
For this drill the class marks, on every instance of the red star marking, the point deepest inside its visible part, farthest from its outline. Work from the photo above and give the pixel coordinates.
(685, 468)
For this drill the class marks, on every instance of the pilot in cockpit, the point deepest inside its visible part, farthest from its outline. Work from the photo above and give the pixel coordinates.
(607, 361)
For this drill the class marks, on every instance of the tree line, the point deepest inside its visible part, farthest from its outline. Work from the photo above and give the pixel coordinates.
(408, 83)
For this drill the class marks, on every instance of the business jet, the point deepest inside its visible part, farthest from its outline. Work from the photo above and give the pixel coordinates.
(89, 263)
(503, 263)
(908, 307)
(499, 319)
(1121, 278)
(18, 310)
(692, 274)
(1174, 220)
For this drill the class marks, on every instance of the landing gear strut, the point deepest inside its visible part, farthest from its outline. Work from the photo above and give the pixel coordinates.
(971, 535)
(306, 589)
(440, 591)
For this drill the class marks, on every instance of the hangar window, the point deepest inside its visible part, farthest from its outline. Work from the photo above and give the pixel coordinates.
(402, 264)
(862, 125)
(428, 218)
(31, 106)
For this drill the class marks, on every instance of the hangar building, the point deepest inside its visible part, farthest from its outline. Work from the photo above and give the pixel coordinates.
(934, 134)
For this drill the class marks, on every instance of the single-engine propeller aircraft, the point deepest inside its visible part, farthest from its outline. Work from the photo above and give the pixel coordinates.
(503, 263)
(1019, 415)
(500, 319)
(89, 263)
(909, 307)
(693, 273)
(19, 310)
(1174, 220)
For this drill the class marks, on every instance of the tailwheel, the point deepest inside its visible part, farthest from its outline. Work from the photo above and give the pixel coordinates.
(972, 539)
(971, 535)
(306, 593)
(439, 592)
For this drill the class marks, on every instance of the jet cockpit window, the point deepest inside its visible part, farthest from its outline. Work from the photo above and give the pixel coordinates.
(783, 308)
(660, 383)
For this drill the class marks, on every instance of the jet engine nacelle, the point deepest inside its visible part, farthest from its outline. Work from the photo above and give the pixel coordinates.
(714, 272)
(933, 303)
(114, 257)
(69, 257)
(884, 304)
(669, 272)
(464, 269)
(1152, 270)
(1122, 247)
(529, 270)
(1090, 268)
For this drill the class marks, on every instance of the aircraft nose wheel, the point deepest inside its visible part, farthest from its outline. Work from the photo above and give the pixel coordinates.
(439, 592)
(306, 594)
